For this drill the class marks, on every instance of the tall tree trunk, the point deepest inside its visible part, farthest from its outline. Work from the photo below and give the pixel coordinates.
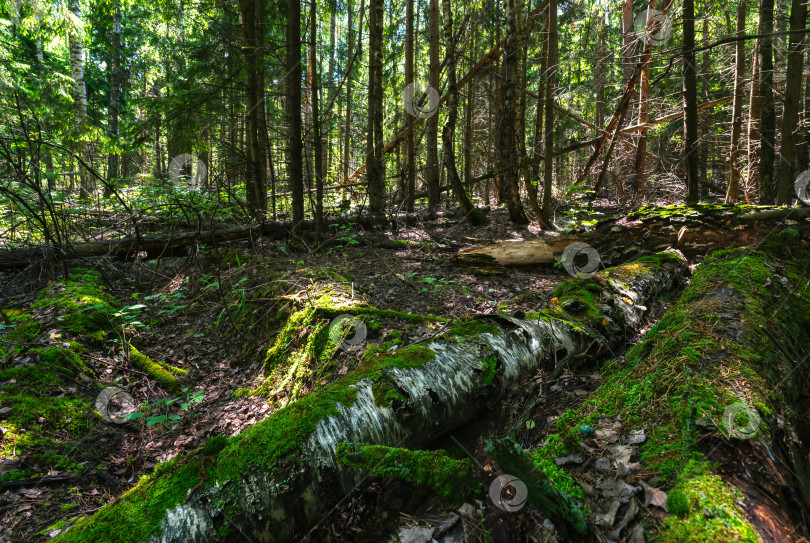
(703, 168)
(804, 148)
(79, 96)
(348, 121)
(410, 184)
(293, 91)
(264, 138)
(767, 131)
(316, 121)
(449, 132)
(508, 187)
(599, 74)
(737, 108)
(533, 181)
(375, 159)
(690, 103)
(551, 70)
(253, 62)
(330, 96)
(643, 117)
(793, 97)
(434, 69)
(468, 121)
(628, 61)
(115, 94)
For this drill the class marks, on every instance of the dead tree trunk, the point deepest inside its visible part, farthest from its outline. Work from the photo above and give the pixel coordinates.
(278, 480)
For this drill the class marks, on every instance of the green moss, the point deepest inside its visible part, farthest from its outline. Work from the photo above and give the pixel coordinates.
(561, 479)
(138, 514)
(474, 327)
(489, 367)
(161, 372)
(704, 510)
(451, 479)
(81, 304)
(214, 445)
(681, 370)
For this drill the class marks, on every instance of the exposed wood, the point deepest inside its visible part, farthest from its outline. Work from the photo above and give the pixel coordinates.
(693, 233)
(303, 486)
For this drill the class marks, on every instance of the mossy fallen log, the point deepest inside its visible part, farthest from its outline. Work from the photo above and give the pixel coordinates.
(719, 387)
(128, 247)
(165, 374)
(278, 480)
(558, 506)
(693, 230)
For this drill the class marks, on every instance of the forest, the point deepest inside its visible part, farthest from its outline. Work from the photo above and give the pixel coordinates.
(404, 271)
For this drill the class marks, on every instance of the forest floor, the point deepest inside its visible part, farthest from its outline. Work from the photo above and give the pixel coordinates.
(214, 314)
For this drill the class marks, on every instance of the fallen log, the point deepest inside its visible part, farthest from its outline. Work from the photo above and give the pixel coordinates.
(718, 389)
(280, 479)
(694, 230)
(153, 246)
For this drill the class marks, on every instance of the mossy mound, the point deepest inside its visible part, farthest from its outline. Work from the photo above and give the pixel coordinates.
(40, 375)
(712, 344)
(82, 307)
(303, 351)
(449, 478)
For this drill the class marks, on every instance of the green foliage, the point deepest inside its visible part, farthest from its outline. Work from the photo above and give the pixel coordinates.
(451, 479)
(159, 411)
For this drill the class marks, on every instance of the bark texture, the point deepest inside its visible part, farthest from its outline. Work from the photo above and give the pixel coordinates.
(282, 499)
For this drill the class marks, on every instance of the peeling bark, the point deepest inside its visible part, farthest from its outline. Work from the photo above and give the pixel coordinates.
(285, 500)
(695, 233)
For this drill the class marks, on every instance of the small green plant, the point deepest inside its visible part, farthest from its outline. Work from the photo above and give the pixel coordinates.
(159, 411)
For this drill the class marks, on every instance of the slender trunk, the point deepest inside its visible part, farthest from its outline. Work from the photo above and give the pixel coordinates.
(410, 183)
(264, 141)
(690, 103)
(316, 122)
(79, 97)
(533, 182)
(548, 173)
(643, 117)
(468, 123)
(703, 168)
(804, 148)
(293, 89)
(252, 59)
(449, 131)
(767, 131)
(628, 61)
(508, 188)
(115, 93)
(752, 184)
(434, 68)
(348, 120)
(330, 82)
(793, 95)
(737, 108)
(599, 76)
(375, 159)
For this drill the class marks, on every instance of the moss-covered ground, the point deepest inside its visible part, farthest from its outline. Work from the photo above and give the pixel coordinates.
(710, 350)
